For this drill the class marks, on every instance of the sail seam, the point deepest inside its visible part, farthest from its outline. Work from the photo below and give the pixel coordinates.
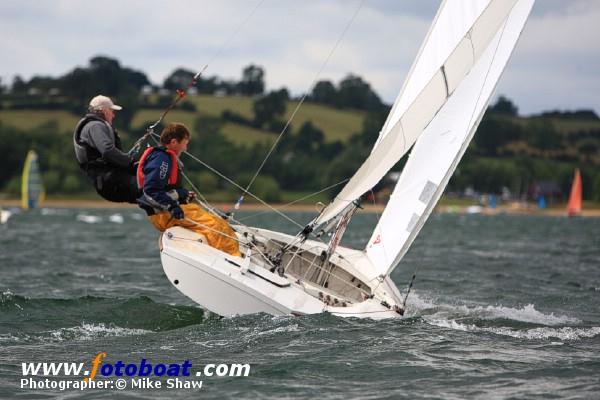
(470, 39)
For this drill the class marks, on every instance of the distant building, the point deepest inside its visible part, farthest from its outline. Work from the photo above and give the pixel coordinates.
(147, 89)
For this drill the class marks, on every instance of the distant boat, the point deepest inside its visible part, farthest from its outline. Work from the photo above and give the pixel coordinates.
(4, 216)
(574, 205)
(32, 187)
(474, 210)
(541, 202)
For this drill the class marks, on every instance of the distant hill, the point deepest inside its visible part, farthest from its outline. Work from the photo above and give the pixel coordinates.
(336, 124)
(235, 122)
(508, 150)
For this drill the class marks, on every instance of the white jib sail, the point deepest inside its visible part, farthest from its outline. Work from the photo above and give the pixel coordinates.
(439, 149)
(459, 35)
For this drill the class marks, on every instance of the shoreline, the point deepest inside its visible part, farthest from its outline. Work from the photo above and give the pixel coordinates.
(514, 208)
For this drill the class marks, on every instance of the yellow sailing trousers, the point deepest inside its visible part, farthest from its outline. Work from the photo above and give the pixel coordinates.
(217, 231)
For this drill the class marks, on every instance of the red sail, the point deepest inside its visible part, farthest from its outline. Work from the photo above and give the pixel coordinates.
(574, 205)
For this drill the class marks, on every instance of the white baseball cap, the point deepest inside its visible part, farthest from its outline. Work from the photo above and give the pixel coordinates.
(102, 102)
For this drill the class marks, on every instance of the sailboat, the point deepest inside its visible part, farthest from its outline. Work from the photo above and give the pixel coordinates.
(436, 115)
(32, 187)
(574, 204)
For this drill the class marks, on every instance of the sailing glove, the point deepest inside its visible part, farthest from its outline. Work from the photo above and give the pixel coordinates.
(176, 212)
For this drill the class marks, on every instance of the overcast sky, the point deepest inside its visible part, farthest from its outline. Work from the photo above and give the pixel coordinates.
(555, 64)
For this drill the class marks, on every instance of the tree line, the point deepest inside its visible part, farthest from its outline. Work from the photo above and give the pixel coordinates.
(106, 75)
(507, 151)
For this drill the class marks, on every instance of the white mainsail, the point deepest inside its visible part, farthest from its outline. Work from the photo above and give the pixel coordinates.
(439, 148)
(460, 34)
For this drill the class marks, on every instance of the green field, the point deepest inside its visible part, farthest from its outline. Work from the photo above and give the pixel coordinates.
(335, 124)
(215, 105)
(236, 133)
(567, 126)
(29, 119)
(562, 125)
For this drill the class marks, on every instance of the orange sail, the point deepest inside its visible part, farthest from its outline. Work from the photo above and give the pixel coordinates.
(574, 205)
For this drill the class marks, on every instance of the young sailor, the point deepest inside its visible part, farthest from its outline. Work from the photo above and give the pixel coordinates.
(99, 153)
(167, 203)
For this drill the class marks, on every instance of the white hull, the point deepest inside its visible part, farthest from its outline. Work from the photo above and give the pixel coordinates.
(228, 285)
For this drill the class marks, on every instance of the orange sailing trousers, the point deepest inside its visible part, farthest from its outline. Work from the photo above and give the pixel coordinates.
(217, 231)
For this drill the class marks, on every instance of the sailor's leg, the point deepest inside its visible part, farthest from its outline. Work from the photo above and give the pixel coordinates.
(217, 231)
(118, 185)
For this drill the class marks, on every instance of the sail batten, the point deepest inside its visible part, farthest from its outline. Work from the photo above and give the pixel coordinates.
(464, 33)
(438, 150)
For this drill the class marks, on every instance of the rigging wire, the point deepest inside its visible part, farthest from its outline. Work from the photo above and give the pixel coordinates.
(295, 201)
(205, 203)
(410, 285)
(200, 198)
(239, 187)
(335, 46)
(181, 93)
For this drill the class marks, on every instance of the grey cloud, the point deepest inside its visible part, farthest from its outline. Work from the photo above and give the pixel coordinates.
(291, 40)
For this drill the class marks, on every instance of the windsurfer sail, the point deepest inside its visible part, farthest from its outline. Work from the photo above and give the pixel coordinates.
(574, 205)
(32, 187)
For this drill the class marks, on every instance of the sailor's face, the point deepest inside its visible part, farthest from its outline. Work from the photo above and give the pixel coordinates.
(179, 147)
(109, 115)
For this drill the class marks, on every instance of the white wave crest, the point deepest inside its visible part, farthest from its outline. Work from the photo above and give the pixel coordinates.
(116, 218)
(280, 329)
(83, 332)
(92, 331)
(527, 313)
(88, 219)
(564, 333)
(54, 211)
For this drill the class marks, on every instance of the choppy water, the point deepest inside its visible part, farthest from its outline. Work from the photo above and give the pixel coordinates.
(504, 307)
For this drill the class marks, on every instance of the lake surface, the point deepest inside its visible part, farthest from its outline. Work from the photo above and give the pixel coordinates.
(503, 307)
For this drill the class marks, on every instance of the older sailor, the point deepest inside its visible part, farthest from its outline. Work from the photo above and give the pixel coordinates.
(99, 153)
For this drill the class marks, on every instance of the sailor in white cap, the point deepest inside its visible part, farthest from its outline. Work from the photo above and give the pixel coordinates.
(99, 153)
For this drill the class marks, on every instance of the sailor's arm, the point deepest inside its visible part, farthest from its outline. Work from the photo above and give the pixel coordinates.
(101, 138)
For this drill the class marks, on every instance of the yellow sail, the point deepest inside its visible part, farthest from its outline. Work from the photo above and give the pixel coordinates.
(32, 188)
